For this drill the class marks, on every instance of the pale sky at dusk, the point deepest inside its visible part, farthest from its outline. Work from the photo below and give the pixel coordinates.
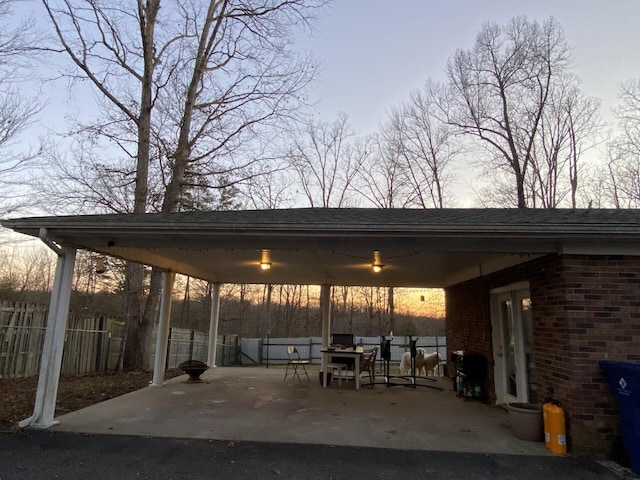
(375, 52)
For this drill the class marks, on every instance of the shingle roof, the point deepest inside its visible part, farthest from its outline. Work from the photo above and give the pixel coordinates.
(317, 245)
(361, 218)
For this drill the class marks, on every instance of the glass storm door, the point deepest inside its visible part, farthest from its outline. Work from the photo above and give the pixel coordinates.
(513, 345)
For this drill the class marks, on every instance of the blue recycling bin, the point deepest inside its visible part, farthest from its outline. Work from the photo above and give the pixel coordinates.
(624, 382)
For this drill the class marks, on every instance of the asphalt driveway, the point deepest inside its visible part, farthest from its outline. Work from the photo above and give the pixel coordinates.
(47, 455)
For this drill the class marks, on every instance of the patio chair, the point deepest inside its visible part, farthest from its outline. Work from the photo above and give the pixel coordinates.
(295, 362)
(368, 364)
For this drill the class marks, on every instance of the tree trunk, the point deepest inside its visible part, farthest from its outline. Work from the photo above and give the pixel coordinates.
(392, 309)
(139, 324)
(133, 309)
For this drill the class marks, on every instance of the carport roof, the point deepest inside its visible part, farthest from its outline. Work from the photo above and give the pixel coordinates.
(419, 248)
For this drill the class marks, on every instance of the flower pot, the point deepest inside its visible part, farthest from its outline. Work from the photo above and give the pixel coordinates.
(526, 421)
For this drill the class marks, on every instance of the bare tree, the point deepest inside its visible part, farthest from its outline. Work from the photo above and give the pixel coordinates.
(498, 91)
(84, 178)
(569, 126)
(327, 159)
(624, 151)
(629, 116)
(241, 77)
(190, 86)
(26, 269)
(271, 190)
(375, 305)
(380, 180)
(427, 147)
(98, 39)
(17, 109)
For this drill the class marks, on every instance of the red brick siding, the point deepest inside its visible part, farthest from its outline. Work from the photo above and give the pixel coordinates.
(585, 308)
(468, 325)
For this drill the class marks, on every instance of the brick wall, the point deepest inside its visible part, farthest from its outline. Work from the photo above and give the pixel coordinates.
(585, 308)
(468, 325)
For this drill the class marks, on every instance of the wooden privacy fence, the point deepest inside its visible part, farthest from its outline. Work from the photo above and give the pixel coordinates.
(91, 344)
(21, 337)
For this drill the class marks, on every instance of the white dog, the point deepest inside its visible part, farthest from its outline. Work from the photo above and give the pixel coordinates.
(430, 363)
(424, 362)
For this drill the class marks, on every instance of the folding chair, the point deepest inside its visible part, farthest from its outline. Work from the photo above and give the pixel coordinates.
(295, 361)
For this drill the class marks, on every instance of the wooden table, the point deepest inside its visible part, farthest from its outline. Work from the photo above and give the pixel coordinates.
(345, 352)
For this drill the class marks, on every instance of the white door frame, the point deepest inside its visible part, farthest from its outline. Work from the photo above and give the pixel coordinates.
(513, 293)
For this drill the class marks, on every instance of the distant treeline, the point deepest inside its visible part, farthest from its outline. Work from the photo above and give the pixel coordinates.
(289, 311)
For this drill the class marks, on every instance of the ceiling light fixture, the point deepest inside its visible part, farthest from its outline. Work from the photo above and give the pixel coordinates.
(377, 262)
(265, 262)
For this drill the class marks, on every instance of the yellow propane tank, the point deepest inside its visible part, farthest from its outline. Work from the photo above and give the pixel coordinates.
(545, 418)
(557, 432)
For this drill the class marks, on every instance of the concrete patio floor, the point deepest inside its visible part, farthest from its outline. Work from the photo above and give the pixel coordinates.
(255, 404)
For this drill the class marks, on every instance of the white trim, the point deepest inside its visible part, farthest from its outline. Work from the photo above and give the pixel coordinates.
(163, 329)
(498, 347)
(51, 362)
(514, 293)
(325, 305)
(213, 325)
(524, 285)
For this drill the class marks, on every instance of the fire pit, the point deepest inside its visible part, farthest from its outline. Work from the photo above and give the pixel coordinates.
(193, 368)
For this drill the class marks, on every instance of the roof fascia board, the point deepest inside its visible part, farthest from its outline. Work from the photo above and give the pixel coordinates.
(488, 267)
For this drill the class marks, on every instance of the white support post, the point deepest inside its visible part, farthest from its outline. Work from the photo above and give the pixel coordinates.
(325, 305)
(51, 362)
(163, 329)
(213, 325)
